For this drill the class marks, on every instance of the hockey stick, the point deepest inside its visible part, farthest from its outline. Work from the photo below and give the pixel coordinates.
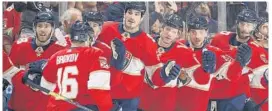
(264, 101)
(51, 93)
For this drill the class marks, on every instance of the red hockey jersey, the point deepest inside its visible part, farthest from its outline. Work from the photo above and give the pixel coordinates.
(25, 50)
(198, 91)
(165, 96)
(24, 98)
(226, 89)
(79, 74)
(258, 65)
(142, 52)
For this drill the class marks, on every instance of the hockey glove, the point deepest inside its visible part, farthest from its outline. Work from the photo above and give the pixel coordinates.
(208, 61)
(170, 71)
(118, 59)
(37, 66)
(244, 54)
(34, 73)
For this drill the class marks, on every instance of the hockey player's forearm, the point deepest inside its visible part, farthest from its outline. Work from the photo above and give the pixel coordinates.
(116, 76)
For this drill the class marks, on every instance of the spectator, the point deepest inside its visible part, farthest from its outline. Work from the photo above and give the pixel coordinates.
(159, 7)
(89, 6)
(69, 17)
(204, 10)
(12, 19)
(170, 8)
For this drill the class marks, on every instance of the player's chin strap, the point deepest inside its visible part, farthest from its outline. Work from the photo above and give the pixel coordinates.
(51, 93)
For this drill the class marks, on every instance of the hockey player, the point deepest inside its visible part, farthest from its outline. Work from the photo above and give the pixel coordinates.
(232, 95)
(26, 50)
(133, 51)
(258, 79)
(8, 72)
(215, 67)
(95, 21)
(154, 98)
(78, 73)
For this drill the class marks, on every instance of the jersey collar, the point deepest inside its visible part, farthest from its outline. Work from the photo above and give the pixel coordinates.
(34, 45)
(165, 49)
(233, 40)
(121, 30)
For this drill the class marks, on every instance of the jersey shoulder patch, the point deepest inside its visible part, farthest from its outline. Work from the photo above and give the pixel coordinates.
(213, 48)
(150, 37)
(22, 40)
(180, 44)
(253, 43)
(62, 44)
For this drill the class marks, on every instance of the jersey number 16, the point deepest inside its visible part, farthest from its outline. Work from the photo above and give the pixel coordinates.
(64, 82)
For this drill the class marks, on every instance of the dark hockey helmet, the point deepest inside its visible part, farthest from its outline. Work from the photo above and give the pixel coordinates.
(81, 31)
(93, 16)
(198, 22)
(140, 6)
(247, 15)
(261, 21)
(174, 21)
(44, 16)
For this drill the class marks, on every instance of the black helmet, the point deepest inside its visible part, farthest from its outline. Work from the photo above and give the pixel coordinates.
(199, 22)
(44, 17)
(81, 31)
(174, 21)
(93, 16)
(140, 6)
(247, 15)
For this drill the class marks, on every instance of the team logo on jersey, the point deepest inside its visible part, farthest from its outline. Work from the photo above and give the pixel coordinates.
(39, 51)
(103, 63)
(263, 58)
(125, 36)
(184, 77)
(159, 52)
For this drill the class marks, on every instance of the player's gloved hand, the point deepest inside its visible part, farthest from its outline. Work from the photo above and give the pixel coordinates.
(266, 75)
(251, 105)
(34, 73)
(37, 66)
(118, 58)
(208, 61)
(170, 71)
(244, 54)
